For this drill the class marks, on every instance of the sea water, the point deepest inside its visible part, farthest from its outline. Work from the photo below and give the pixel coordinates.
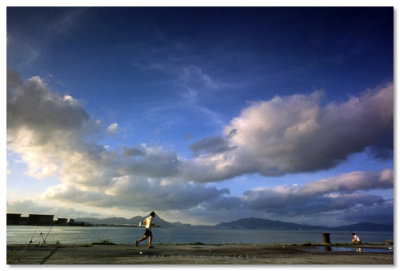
(128, 235)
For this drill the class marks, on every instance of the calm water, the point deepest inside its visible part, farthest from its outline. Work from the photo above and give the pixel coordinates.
(127, 235)
(350, 249)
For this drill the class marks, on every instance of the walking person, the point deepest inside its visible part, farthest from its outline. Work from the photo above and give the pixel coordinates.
(148, 222)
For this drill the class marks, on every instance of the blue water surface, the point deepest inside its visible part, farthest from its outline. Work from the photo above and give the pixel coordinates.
(128, 235)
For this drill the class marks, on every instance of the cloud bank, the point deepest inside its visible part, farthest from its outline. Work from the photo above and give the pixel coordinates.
(56, 137)
(336, 193)
(296, 134)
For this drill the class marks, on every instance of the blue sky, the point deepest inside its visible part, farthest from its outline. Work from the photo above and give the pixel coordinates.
(202, 114)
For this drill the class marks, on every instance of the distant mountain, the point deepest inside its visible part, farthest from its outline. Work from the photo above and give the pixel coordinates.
(132, 221)
(258, 223)
(245, 223)
(266, 224)
(110, 220)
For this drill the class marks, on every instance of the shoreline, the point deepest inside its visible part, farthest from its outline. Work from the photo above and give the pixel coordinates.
(197, 254)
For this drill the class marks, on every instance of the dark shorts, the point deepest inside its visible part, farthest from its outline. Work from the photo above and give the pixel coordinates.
(148, 233)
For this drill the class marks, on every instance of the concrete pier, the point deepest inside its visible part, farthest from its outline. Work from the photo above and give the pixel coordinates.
(190, 254)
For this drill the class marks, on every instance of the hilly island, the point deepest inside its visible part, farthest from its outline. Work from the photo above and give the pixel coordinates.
(245, 223)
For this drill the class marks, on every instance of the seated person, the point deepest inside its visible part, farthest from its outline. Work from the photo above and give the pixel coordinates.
(356, 239)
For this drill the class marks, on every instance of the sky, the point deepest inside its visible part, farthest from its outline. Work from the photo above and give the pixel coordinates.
(203, 115)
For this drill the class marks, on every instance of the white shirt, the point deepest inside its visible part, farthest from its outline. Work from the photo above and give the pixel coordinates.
(148, 221)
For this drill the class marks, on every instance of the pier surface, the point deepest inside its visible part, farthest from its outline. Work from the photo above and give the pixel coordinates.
(193, 254)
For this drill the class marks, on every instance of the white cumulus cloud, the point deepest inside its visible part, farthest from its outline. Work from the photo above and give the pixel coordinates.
(55, 136)
(296, 134)
(113, 128)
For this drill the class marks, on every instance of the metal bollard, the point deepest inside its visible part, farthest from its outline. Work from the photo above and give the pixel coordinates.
(326, 237)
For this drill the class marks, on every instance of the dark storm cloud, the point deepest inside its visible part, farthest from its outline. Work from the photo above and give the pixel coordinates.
(32, 105)
(210, 146)
(382, 213)
(337, 193)
(132, 152)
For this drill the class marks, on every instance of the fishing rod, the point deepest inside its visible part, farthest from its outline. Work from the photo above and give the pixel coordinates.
(30, 242)
(41, 234)
(44, 239)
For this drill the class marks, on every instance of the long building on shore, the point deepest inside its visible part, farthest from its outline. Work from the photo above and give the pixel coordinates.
(13, 219)
(36, 219)
(32, 219)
